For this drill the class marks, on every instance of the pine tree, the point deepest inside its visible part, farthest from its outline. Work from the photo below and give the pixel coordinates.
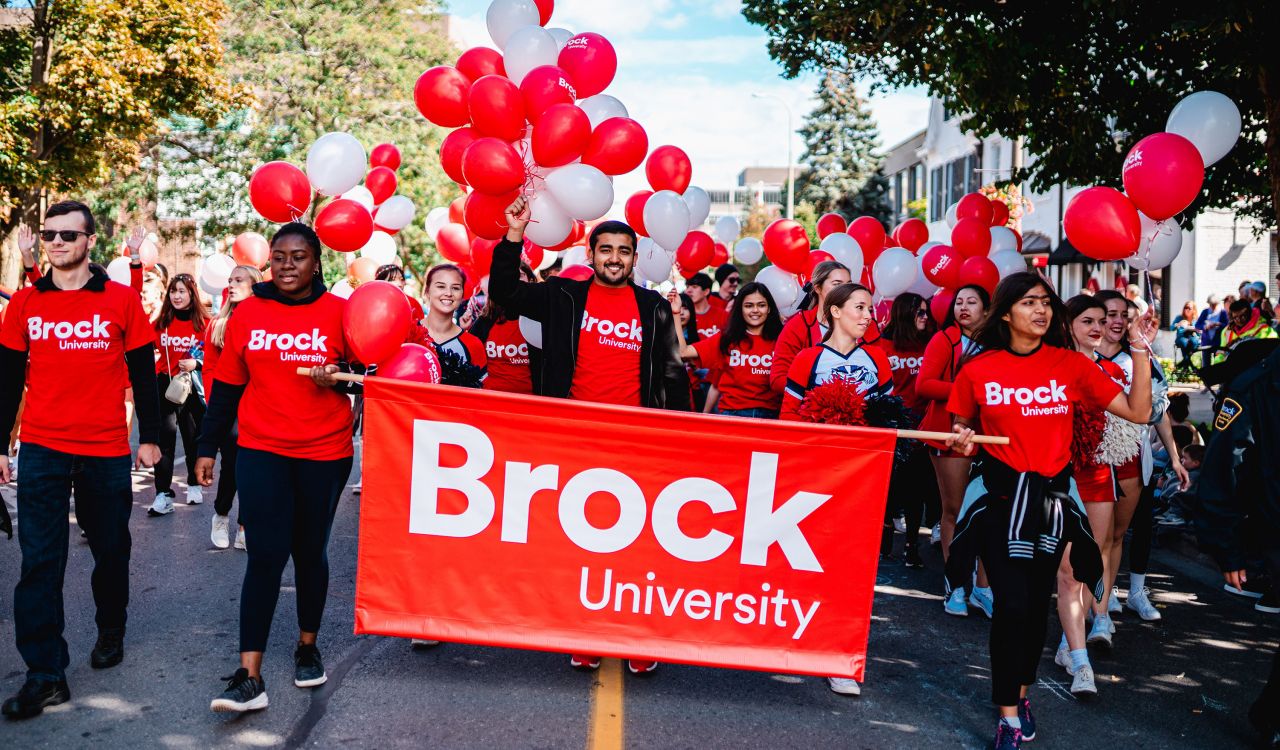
(840, 155)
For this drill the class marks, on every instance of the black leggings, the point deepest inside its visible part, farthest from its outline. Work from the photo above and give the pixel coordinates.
(230, 449)
(177, 419)
(287, 507)
(909, 488)
(1142, 528)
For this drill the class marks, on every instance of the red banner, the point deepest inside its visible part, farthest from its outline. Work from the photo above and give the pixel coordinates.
(563, 526)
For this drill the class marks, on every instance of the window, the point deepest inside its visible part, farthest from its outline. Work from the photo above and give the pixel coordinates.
(911, 187)
(897, 194)
(937, 201)
(956, 179)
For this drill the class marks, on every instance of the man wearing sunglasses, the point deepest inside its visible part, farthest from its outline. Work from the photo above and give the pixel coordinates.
(730, 282)
(79, 340)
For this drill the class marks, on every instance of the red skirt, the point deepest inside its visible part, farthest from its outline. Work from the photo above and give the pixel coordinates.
(1096, 483)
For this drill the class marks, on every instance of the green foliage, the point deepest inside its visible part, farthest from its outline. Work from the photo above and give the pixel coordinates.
(840, 145)
(807, 214)
(918, 209)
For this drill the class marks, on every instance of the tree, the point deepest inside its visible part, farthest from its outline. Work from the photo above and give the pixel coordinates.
(872, 199)
(1081, 81)
(83, 83)
(840, 146)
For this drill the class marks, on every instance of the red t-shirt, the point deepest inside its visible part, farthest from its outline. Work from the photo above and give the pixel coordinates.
(743, 375)
(508, 355)
(174, 344)
(283, 412)
(713, 321)
(211, 353)
(76, 373)
(905, 365)
(607, 370)
(1029, 399)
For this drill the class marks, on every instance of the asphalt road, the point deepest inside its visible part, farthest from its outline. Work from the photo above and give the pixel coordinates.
(1183, 682)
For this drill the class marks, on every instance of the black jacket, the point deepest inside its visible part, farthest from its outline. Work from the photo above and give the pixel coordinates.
(1240, 476)
(558, 304)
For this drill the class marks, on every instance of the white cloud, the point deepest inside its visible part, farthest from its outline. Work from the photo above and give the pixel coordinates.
(620, 18)
(640, 55)
(673, 23)
(724, 8)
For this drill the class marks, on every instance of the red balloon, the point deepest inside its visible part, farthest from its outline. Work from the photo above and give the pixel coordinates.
(376, 320)
(669, 168)
(486, 214)
(1163, 174)
(543, 87)
(496, 108)
(975, 206)
(869, 233)
(478, 62)
(457, 209)
(980, 271)
(1103, 224)
(942, 266)
(250, 249)
(617, 146)
(787, 245)
(634, 211)
(545, 7)
(816, 257)
(453, 244)
(940, 304)
(972, 237)
(533, 253)
(451, 150)
(344, 225)
(577, 273)
(385, 155)
(590, 61)
(381, 182)
(722, 255)
(911, 234)
(482, 255)
(999, 213)
(830, 224)
(413, 362)
(1018, 236)
(492, 166)
(561, 135)
(279, 191)
(696, 252)
(441, 95)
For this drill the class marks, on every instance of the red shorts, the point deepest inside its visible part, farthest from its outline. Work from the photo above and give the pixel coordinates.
(1131, 469)
(1096, 484)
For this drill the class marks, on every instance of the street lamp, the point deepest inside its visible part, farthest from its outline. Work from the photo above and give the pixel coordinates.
(791, 180)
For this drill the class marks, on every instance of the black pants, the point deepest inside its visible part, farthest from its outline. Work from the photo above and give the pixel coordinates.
(1023, 591)
(910, 485)
(1143, 528)
(177, 419)
(104, 497)
(230, 449)
(287, 507)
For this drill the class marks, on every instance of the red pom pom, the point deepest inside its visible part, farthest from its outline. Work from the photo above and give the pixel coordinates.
(1087, 426)
(835, 402)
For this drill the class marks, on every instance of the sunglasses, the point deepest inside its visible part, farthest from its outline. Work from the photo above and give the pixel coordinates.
(922, 313)
(67, 235)
(733, 280)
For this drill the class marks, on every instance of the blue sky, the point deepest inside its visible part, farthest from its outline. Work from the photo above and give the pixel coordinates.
(686, 72)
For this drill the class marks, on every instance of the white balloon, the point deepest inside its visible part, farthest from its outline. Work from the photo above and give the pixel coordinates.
(926, 247)
(395, 213)
(560, 35)
(748, 250)
(666, 216)
(336, 162)
(1209, 120)
(727, 229)
(527, 48)
(342, 289)
(217, 269)
(922, 285)
(118, 270)
(532, 331)
(380, 248)
(951, 215)
(215, 293)
(360, 194)
(1160, 243)
(786, 311)
(784, 286)
(844, 249)
(652, 262)
(699, 204)
(1008, 261)
(548, 223)
(894, 272)
(601, 107)
(504, 17)
(584, 192)
(1002, 238)
(574, 256)
(436, 219)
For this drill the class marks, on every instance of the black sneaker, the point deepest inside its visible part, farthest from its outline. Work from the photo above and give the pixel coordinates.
(34, 696)
(1269, 603)
(243, 693)
(109, 650)
(911, 558)
(308, 670)
(1027, 720)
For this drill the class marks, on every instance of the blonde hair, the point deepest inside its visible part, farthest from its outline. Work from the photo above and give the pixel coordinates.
(218, 335)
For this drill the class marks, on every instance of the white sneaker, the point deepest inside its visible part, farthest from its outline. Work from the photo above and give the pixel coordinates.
(240, 538)
(423, 643)
(221, 533)
(844, 685)
(1083, 686)
(1063, 658)
(162, 506)
(1140, 602)
(935, 536)
(195, 495)
(1113, 604)
(1100, 633)
(900, 524)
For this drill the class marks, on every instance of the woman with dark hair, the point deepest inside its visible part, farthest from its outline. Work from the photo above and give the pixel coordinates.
(1026, 385)
(809, 326)
(943, 357)
(903, 340)
(462, 356)
(394, 274)
(510, 357)
(740, 356)
(179, 340)
(295, 451)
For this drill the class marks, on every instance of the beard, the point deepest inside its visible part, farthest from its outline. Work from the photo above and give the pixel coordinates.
(606, 278)
(71, 259)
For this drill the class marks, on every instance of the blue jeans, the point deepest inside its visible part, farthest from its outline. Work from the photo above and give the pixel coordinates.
(756, 413)
(104, 498)
(1187, 340)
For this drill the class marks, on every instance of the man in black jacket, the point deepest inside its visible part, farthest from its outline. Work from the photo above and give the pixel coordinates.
(604, 340)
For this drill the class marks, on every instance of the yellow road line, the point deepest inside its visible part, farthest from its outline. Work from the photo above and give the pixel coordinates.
(605, 729)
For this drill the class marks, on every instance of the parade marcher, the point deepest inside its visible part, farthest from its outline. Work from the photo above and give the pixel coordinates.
(711, 318)
(78, 339)
(1244, 322)
(463, 361)
(808, 327)
(943, 356)
(394, 274)
(729, 281)
(295, 451)
(180, 332)
(740, 356)
(1026, 385)
(511, 359)
(604, 339)
(239, 288)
